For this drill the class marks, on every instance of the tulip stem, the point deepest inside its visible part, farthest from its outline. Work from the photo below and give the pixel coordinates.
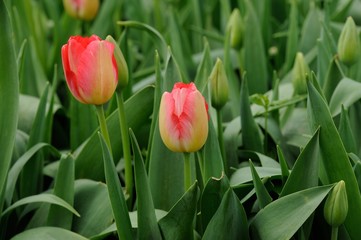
(126, 146)
(103, 125)
(220, 139)
(334, 233)
(187, 171)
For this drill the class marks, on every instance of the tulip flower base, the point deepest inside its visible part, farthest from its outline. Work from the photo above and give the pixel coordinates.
(180, 119)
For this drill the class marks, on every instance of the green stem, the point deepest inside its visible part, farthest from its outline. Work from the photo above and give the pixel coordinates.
(220, 139)
(126, 146)
(334, 233)
(266, 130)
(187, 171)
(103, 125)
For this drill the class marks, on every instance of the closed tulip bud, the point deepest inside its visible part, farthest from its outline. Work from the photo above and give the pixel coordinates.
(219, 85)
(235, 27)
(123, 74)
(349, 43)
(90, 69)
(336, 206)
(300, 73)
(183, 118)
(82, 9)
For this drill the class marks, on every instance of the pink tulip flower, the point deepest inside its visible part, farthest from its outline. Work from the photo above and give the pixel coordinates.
(82, 9)
(183, 118)
(90, 69)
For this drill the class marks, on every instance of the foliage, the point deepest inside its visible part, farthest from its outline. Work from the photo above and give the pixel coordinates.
(273, 153)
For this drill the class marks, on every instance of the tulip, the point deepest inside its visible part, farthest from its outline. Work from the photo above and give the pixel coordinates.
(349, 45)
(183, 118)
(235, 26)
(336, 205)
(90, 69)
(219, 85)
(300, 73)
(82, 9)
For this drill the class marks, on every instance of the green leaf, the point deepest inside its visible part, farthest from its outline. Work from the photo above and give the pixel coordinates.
(63, 188)
(166, 177)
(210, 156)
(335, 162)
(254, 53)
(204, 68)
(147, 222)
(211, 198)
(157, 37)
(346, 132)
(87, 156)
(19, 165)
(42, 198)
(304, 173)
(283, 164)
(229, 221)
(46, 233)
(178, 223)
(284, 216)
(92, 202)
(108, 10)
(263, 196)
(9, 95)
(333, 77)
(31, 176)
(116, 196)
(311, 29)
(346, 93)
(251, 135)
(243, 175)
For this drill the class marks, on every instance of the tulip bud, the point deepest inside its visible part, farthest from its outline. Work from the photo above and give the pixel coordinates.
(90, 69)
(235, 27)
(348, 47)
(123, 74)
(219, 85)
(183, 118)
(82, 9)
(336, 206)
(300, 73)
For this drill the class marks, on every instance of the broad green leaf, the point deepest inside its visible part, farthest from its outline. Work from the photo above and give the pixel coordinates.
(263, 196)
(31, 176)
(204, 68)
(210, 156)
(251, 135)
(243, 175)
(346, 132)
(147, 222)
(283, 164)
(165, 167)
(41, 198)
(88, 156)
(92, 202)
(46, 233)
(108, 10)
(157, 37)
(19, 165)
(178, 223)
(332, 78)
(229, 221)
(346, 93)
(9, 95)
(211, 198)
(284, 216)
(254, 53)
(63, 188)
(116, 195)
(292, 36)
(304, 173)
(311, 29)
(83, 122)
(335, 162)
